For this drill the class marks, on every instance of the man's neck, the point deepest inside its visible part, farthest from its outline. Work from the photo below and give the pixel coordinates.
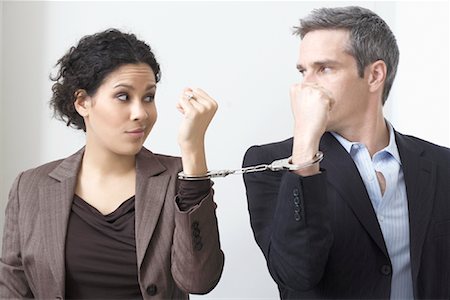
(374, 135)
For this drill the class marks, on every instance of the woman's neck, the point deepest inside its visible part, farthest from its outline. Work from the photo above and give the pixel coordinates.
(100, 161)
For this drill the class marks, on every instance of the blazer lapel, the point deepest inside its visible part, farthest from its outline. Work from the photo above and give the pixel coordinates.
(344, 177)
(151, 189)
(56, 200)
(420, 180)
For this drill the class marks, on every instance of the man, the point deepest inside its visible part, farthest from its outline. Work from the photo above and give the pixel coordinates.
(372, 220)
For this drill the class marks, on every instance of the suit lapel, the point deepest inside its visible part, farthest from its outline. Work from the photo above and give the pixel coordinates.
(343, 175)
(420, 180)
(56, 200)
(151, 188)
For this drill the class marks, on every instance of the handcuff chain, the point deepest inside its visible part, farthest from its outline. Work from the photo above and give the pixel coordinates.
(275, 166)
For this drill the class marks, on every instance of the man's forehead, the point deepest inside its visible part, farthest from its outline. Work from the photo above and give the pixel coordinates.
(334, 38)
(324, 45)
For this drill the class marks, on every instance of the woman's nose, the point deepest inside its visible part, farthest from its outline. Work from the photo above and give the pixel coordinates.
(138, 111)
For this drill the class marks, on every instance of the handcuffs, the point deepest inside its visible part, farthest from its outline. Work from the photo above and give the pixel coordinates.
(275, 166)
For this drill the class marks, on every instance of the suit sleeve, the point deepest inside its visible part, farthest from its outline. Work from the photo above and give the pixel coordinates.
(197, 260)
(13, 283)
(290, 218)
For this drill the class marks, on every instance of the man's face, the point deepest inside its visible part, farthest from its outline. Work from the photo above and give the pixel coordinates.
(323, 60)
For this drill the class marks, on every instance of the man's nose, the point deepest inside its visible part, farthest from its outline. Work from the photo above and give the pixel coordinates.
(309, 77)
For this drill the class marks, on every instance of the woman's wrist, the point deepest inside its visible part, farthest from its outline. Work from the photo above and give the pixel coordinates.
(194, 160)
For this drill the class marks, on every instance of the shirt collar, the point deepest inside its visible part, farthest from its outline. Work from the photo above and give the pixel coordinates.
(391, 148)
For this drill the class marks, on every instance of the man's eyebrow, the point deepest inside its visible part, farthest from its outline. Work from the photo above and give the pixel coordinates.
(300, 67)
(319, 63)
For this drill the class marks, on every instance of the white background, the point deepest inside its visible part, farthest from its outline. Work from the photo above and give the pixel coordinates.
(243, 54)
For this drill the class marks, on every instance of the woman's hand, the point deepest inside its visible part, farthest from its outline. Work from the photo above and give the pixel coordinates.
(198, 109)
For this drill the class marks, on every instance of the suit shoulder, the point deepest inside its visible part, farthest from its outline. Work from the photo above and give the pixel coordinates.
(266, 153)
(41, 171)
(432, 151)
(169, 161)
(27, 182)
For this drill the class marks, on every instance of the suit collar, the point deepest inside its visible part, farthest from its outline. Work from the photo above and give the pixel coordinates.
(345, 178)
(420, 180)
(69, 167)
(56, 200)
(148, 164)
(152, 182)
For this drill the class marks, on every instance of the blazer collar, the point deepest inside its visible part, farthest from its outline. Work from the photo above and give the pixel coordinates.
(68, 167)
(152, 182)
(56, 200)
(420, 179)
(343, 175)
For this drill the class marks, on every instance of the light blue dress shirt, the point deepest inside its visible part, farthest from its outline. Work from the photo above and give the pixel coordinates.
(391, 207)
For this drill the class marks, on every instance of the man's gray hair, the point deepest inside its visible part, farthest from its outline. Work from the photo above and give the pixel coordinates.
(371, 39)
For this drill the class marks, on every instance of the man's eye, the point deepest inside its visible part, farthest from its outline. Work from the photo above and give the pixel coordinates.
(302, 72)
(325, 69)
(122, 97)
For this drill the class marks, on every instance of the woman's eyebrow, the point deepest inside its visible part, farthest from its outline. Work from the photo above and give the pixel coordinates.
(128, 86)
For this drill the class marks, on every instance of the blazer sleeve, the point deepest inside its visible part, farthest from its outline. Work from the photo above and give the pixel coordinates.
(13, 283)
(197, 260)
(290, 218)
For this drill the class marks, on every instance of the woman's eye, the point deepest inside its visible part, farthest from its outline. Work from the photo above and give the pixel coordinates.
(149, 98)
(122, 97)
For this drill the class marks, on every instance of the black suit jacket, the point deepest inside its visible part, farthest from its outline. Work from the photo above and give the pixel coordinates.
(320, 235)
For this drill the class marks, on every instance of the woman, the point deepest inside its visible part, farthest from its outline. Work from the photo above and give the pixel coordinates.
(113, 220)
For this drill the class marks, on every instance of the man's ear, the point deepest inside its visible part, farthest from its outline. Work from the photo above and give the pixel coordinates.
(82, 103)
(377, 75)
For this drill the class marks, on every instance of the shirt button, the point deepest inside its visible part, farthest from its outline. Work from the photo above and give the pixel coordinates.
(152, 290)
(380, 218)
(386, 269)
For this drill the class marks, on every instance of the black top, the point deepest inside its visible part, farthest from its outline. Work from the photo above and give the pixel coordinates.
(101, 253)
(101, 257)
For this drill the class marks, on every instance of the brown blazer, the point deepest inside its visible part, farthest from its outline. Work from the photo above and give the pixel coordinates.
(171, 261)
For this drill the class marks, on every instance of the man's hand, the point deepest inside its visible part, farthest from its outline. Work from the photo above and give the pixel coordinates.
(311, 105)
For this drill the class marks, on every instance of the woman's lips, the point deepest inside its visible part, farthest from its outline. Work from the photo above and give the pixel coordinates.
(137, 133)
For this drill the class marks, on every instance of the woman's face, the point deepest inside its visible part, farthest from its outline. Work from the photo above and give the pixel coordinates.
(121, 114)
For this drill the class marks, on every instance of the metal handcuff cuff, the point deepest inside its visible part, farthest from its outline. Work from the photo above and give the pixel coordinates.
(275, 166)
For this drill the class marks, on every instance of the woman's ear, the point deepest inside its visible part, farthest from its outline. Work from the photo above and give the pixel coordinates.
(377, 76)
(82, 102)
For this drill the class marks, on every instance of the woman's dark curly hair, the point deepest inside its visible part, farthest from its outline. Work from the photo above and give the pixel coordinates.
(86, 66)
